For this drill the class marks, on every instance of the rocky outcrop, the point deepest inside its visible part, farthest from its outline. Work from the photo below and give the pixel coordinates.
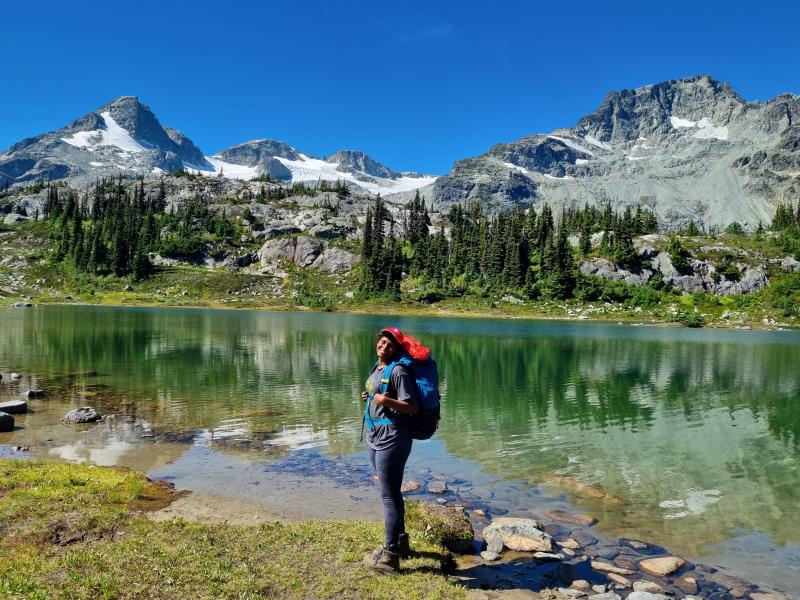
(702, 277)
(14, 407)
(306, 251)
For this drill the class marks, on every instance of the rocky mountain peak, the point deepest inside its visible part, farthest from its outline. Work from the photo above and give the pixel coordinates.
(350, 161)
(627, 115)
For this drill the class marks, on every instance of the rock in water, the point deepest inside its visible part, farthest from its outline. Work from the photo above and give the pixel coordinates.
(647, 596)
(489, 556)
(647, 586)
(14, 407)
(437, 487)
(6, 422)
(34, 393)
(662, 566)
(85, 414)
(409, 486)
(568, 517)
(516, 534)
(605, 567)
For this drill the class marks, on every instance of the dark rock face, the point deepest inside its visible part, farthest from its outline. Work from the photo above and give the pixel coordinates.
(85, 414)
(253, 153)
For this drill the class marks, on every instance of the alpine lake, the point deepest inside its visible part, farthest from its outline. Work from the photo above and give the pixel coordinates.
(686, 438)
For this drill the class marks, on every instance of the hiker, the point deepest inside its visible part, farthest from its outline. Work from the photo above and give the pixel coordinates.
(389, 436)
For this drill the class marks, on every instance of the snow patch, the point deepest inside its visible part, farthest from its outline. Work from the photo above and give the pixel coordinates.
(157, 171)
(517, 168)
(636, 157)
(595, 142)
(112, 135)
(229, 170)
(564, 178)
(705, 128)
(571, 144)
(97, 164)
(313, 169)
(581, 161)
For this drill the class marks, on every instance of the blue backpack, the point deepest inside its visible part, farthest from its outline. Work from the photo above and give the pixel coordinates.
(425, 423)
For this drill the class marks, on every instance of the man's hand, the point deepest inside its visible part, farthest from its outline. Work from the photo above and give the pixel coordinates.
(363, 396)
(379, 398)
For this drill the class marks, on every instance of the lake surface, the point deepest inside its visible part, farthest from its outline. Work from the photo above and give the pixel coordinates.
(690, 438)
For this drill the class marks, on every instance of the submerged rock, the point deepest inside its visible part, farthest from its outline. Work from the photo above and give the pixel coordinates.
(568, 517)
(516, 534)
(663, 566)
(605, 567)
(6, 422)
(647, 586)
(85, 414)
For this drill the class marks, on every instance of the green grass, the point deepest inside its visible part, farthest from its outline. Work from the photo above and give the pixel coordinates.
(73, 531)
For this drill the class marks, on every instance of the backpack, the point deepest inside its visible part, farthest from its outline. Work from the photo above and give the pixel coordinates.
(417, 359)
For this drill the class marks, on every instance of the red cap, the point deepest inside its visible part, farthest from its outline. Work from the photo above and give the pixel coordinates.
(394, 333)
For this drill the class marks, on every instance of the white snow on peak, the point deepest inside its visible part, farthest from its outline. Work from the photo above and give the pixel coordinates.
(705, 128)
(564, 178)
(595, 142)
(229, 170)
(112, 135)
(97, 164)
(571, 144)
(581, 161)
(314, 169)
(637, 157)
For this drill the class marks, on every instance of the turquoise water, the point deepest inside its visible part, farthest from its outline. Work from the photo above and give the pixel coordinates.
(688, 437)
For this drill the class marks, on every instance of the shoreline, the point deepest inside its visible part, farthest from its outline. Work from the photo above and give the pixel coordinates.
(419, 311)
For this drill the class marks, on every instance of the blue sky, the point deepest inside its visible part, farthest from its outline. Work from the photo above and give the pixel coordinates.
(417, 85)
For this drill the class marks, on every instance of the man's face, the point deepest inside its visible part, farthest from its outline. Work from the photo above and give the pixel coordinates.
(385, 348)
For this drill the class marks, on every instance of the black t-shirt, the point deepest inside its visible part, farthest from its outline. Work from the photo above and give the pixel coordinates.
(401, 387)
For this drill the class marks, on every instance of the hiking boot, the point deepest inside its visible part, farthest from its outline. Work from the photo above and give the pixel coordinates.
(403, 549)
(382, 560)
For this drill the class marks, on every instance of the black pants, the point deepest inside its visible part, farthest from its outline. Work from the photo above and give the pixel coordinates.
(389, 465)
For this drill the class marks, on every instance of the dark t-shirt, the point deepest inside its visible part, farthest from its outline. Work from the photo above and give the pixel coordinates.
(401, 387)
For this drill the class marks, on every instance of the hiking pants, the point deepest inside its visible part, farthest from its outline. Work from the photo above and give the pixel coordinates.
(389, 465)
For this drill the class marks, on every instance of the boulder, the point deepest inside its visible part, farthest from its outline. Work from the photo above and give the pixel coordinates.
(662, 566)
(335, 260)
(619, 579)
(647, 586)
(450, 523)
(489, 556)
(571, 592)
(523, 535)
(15, 376)
(409, 486)
(85, 414)
(281, 249)
(14, 407)
(22, 305)
(33, 394)
(307, 249)
(6, 422)
(605, 596)
(581, 585)
(688, 585)
(605, 567)
(787, 263)
(14, 218)
(647, 596)
(437, 487)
